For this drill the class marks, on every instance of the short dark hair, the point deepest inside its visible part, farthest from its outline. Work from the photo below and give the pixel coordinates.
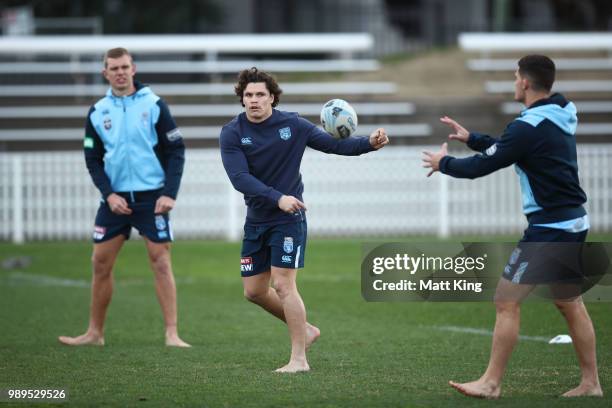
(247, 76)
(115, 53)
(539, 69)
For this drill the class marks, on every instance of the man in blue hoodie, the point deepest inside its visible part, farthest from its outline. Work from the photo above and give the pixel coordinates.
(262, 150)
(541, 144)
(135, 155)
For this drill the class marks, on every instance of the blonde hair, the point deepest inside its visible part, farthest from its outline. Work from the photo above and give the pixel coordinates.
(115, 53)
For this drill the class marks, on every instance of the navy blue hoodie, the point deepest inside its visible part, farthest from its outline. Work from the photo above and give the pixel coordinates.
(262, 160)
(541, 143)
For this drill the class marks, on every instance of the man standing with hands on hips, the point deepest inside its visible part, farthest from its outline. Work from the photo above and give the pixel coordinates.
(135, 155)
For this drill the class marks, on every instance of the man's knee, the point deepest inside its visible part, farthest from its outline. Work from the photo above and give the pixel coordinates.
(160, 259)
(567, 307)
(102, 265)
(255, 294)
(507, 307)
(283, 286)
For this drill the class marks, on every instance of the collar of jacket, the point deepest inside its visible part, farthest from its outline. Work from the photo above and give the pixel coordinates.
(141, 91)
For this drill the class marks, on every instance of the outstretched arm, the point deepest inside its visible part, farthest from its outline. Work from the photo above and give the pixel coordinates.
(511, 147)
(320, 140)
(474, 141)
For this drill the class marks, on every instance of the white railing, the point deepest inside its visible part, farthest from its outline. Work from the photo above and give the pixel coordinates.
(46, 196)
(210, 45)
(512, 42)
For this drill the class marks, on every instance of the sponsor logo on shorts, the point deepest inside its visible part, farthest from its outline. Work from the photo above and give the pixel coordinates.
(174, 135)
(160, 222)
(162, 234)
(288, 245)
(246, 264)
(285, 133)
(99, 232)
(515, 255)
(286, 258)
(519, 272)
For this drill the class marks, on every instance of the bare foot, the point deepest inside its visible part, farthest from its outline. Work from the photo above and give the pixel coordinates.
(86, 339)
(175, 341)
(294, 367)
(312, 334)
(477, 389)
(585, 390)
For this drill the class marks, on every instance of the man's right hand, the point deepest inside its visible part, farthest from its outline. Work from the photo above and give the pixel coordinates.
(290, 204)
(461, 134)
(118, 205)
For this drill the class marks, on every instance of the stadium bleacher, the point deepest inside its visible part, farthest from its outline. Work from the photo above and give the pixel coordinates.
(47, 84)
(583, 61)
(44, 111)
(190, 89)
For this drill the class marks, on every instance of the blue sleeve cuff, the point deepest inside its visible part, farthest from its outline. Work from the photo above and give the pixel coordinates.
(366, 146)
(471, 140)
(444, 163)
(275, 195)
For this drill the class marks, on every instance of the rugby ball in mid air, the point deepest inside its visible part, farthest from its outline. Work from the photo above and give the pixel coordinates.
(339, 118)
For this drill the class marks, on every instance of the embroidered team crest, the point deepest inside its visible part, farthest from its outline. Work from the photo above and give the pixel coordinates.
(288, 245)
(285, 133)
(108, 124)
(145, 117)
(160, 223)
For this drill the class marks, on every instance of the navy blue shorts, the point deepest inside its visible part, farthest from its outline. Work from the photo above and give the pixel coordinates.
(546, 255)
(156, 227)
(282, 246)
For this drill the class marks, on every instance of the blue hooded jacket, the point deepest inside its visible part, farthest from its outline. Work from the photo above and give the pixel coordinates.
(541, 143)
(133, 144)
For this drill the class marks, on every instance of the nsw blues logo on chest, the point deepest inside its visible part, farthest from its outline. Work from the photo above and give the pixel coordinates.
(285, 133)
(107, 122)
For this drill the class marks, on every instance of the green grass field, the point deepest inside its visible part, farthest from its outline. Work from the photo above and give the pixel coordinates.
(369, 354)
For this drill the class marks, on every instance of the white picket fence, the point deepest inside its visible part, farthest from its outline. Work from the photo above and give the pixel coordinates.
(49, 196)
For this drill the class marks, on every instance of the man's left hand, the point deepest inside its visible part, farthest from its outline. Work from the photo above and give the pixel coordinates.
(379, 138)
(164, 204)
(432, 160)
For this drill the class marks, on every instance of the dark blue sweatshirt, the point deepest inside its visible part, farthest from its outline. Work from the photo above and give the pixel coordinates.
(541, 143)
(262, 160)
